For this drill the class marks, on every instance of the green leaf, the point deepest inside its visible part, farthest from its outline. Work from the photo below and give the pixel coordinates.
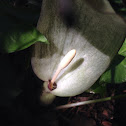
(122, 50)
(116, 73)
(98, 88)
(20, 37)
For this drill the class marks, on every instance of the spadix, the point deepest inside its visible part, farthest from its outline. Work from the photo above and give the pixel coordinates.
(64, 63)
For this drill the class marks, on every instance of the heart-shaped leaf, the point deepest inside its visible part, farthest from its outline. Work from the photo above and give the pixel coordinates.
(20, 37)
(122, 50)
(116, 73)
(98, 88)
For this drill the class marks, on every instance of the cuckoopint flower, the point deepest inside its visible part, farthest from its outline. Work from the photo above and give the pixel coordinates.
(92, 29)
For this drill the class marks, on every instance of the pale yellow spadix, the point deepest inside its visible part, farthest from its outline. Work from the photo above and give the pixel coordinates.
(64, 63)
(67, 59)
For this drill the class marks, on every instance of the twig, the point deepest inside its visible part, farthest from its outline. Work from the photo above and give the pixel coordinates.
(90, 101)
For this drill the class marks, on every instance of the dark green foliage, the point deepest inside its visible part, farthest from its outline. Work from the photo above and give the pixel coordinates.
(20, 37)
(16, 27)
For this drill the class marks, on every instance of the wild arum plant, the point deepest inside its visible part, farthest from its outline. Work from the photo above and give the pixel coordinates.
(95, 32)
(19, 37)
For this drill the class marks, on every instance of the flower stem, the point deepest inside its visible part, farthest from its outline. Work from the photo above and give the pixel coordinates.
(91, 101)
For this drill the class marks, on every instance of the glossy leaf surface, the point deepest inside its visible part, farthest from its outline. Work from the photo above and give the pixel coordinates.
(19, 37)
(116, 73)
(122, 50)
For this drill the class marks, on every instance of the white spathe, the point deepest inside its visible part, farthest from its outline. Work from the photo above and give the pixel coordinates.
(80, 74)
(96, 36)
